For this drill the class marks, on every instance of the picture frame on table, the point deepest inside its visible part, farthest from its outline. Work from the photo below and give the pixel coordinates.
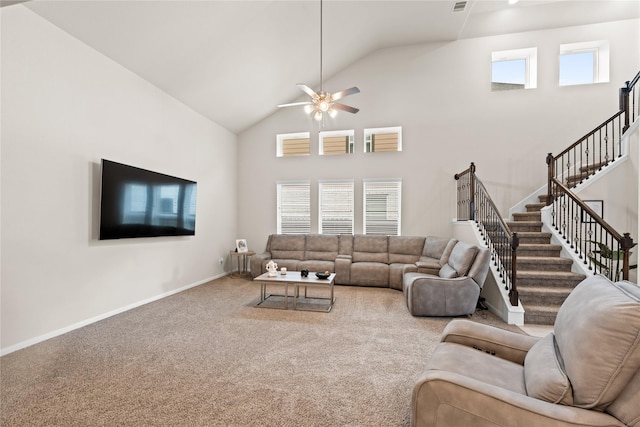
(241, 245)
(596, 206)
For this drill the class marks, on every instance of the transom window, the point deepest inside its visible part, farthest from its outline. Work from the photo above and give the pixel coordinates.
(293, 144)
(383, 139)
(584, 63)
(294, 207)
(335, 207)
(382, 207)
(514, 69)
(336, 142)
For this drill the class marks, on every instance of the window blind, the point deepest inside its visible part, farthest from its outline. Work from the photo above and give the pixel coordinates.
(295, 146)
(384, 142)
(382, 207)
(335, 207)
(335, 144)
(294, 208)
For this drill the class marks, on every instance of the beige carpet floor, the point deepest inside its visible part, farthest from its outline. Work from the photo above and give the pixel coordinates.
(208, 357)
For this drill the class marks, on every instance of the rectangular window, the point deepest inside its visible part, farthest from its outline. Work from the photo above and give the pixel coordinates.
(584, 63)
(293, 144)
(382, 207)
(294, 207)
(336, 142)
(514, 69)
(335, 207)
(383, 139)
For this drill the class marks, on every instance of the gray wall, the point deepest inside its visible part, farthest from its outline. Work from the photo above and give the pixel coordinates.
(64, 107)
(440, 95)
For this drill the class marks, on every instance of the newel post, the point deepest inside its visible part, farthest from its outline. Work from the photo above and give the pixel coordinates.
(513, 293)
(624, 104)
(550, 175)
(626, 244)
(472, 192)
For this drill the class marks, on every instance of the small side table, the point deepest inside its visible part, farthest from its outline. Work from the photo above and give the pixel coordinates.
(242, 260)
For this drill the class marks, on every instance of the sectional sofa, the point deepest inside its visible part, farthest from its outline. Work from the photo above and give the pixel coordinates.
(385, 261)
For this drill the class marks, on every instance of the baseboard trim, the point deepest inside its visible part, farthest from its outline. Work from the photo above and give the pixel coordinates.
(62, 331)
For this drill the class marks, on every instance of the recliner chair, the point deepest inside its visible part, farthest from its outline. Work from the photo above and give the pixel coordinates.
(584, 373)
(456, 288)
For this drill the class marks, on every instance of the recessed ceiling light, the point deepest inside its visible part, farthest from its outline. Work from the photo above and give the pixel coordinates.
(513, 1)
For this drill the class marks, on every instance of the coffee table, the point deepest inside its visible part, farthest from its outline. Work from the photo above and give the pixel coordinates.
(293, 278)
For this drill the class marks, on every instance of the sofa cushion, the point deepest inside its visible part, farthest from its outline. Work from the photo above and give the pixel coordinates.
(370, 249)
(598, 334)
(544, 374)
(321, 247)
(462, 256)
(370, 274)
(287, 246)
(436, 247)
(405, 249)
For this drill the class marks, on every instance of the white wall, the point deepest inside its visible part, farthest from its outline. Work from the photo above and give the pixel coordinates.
(440, 95)
(64, 107)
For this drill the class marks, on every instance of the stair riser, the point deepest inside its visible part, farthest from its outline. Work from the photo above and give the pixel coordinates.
(534, 318)
(536, 266)
(556, 282)
(541, 299)
(538, 252)
(527, 216)
(535, 240)
(520, 227)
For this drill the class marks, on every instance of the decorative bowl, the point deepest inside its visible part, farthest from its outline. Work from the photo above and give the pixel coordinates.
(323, 275)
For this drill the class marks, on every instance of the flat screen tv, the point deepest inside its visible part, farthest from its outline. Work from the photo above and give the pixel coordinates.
(136, 202)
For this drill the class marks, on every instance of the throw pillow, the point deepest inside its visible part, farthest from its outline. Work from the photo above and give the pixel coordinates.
(544, 374)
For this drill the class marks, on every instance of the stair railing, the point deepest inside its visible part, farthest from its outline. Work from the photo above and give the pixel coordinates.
(599, 147)
(475, 204)
(600, 247)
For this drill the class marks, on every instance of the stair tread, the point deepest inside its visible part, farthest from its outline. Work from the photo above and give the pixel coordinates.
(533, 233)
(550, 274)
(552, 308)
(540, 246)
(545, 259)
(560, 290)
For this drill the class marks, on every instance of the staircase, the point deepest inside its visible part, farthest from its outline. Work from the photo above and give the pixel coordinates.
(544, 278)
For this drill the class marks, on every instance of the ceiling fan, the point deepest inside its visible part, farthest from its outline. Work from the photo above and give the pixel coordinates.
(323, 102)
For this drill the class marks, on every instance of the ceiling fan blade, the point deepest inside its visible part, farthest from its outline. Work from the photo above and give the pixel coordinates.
(293, 104)
(339, 106)
(306, 89)
(345, 92)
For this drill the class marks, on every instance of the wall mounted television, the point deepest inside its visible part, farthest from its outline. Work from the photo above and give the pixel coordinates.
(137, 202)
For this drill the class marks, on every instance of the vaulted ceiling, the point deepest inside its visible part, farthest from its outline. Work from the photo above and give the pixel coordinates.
(234, 61)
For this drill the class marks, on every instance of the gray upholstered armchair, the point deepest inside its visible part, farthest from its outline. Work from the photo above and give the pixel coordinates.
(584, 373)
(456, 288)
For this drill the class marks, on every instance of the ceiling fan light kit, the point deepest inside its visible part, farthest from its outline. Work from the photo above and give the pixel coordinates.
(324, 102)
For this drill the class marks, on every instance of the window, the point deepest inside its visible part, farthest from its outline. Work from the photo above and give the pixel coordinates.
(292, 144)
(514, 69)
(382, 202)
(584, 63)
(294, 209)
(336, 142)
(335, 207)
(383, 139)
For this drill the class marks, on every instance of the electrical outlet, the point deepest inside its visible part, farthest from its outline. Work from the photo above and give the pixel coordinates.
(221, 261)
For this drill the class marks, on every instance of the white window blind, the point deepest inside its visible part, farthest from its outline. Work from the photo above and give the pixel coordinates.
(335, 207)
(294, 207)
(382, 207)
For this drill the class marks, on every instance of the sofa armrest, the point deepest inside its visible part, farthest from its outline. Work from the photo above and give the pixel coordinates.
(499, 342)
(343, 269)
(257, 261)
(442, 398)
